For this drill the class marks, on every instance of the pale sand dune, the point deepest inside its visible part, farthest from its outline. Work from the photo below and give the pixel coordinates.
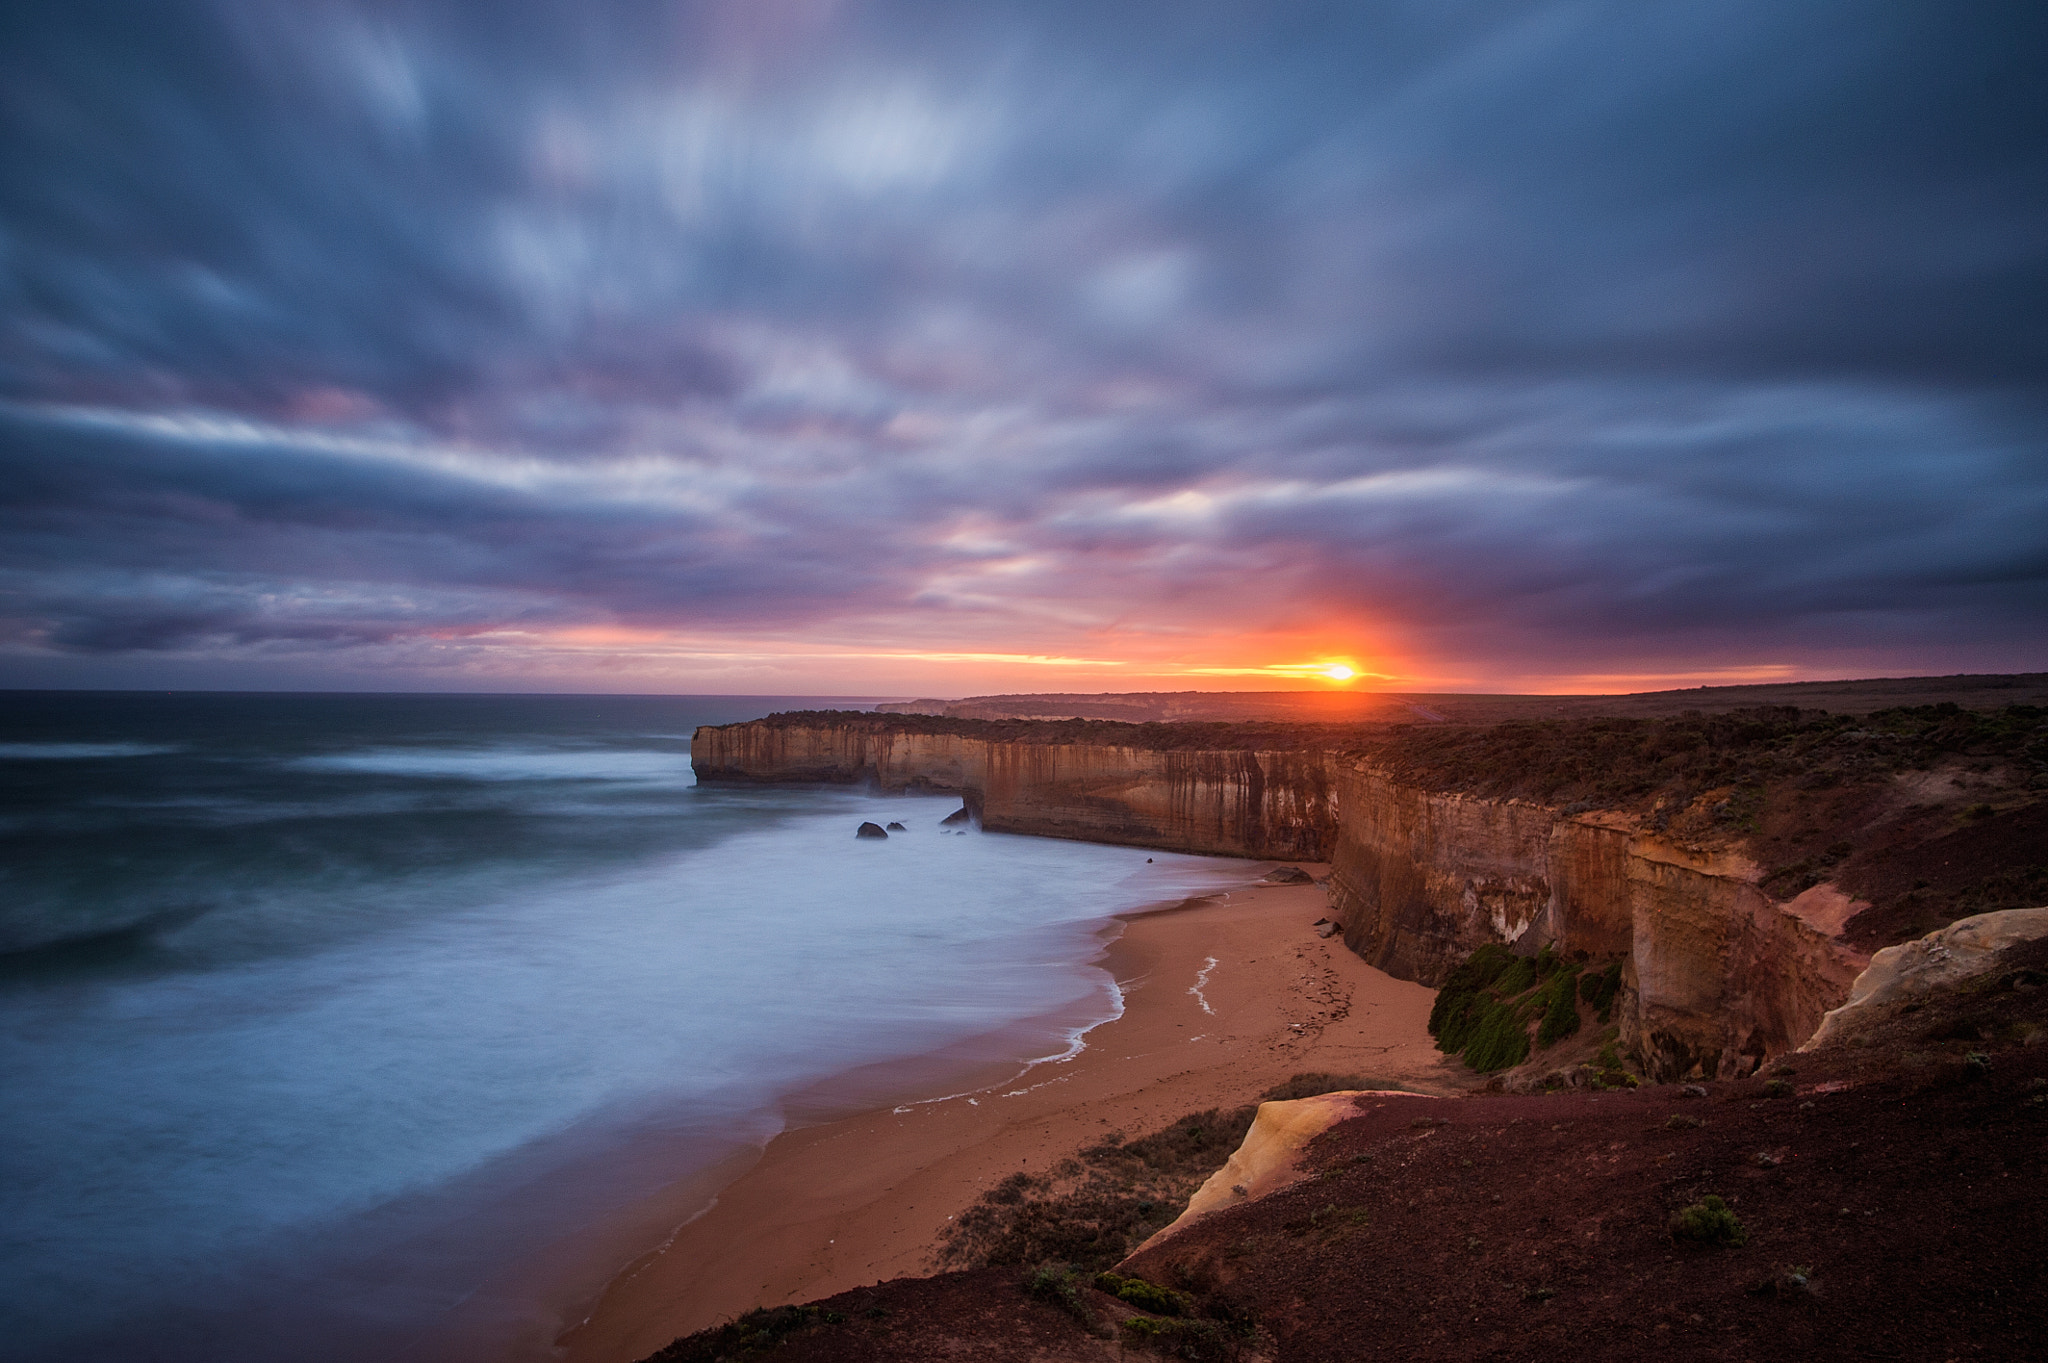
(863, 1199)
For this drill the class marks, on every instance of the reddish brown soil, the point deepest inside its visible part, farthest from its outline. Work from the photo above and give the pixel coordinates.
(1891, 1189)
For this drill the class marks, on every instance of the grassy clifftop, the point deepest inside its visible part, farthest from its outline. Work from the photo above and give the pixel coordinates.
(1183, 736)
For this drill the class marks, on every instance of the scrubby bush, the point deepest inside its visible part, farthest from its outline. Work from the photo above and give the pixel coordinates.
(1095, 1209)
(1310, 1085)
(1478, 972)
(1160, 1301)
(1708, 1221)
(1500, 1041)
(1483, 1010)
(1598, 988)
(1517, 978)
(757, 1332)
(1561, 1013)
(1195, 1340)
(1061, 1286)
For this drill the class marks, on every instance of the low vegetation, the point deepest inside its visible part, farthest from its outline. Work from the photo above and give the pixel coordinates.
(1094, 1209)
(1177, 736)
(1624, 763)
(755, 1333)
(1485, 1008)
(1708, 1222)
(1198, 1341)
(1060, 1285)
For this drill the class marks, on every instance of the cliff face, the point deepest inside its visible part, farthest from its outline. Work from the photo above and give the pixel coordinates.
(773, 754)
(1231, 803)
(1718, 975)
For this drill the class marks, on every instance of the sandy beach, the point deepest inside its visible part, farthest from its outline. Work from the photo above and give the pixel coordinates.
(1223, 998)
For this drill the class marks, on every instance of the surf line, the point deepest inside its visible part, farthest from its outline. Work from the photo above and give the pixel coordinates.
(1201, 981)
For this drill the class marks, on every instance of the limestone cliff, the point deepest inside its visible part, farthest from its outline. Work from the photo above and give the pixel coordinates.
(1238, 802)
(1719, 973)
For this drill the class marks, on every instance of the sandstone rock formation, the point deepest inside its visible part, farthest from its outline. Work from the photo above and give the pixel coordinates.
(1939, 961)
(1236, 803)
(1269, 1157)
(1719, 974)
(1718, 977)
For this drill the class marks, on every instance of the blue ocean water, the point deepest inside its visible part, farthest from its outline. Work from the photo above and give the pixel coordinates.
(319, 1014)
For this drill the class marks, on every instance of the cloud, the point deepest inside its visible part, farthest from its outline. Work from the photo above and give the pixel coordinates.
(1495, 338)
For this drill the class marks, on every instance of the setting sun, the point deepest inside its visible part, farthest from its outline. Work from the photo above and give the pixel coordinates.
(1339, 672)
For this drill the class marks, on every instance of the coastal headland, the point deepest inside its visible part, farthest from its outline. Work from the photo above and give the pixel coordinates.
(1740, 863)
(1729, 869)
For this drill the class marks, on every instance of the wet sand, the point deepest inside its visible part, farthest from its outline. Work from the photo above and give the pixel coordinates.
(1223, 998)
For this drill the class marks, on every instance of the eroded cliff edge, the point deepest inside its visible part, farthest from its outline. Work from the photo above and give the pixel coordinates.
(1267, 794)
(1718, 975)
(1742, 867)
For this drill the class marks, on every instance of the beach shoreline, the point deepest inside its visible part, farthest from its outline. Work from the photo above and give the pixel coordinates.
(1223, 996)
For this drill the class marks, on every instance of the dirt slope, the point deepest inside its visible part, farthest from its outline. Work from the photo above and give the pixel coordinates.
(1889, 1189)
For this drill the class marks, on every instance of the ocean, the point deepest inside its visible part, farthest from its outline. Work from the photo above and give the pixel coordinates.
(328, 1023)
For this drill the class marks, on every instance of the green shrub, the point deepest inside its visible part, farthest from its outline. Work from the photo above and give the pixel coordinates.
(1708, 1221)
(1517, 978)
(1309, 1085)
(1099, 1206)
(1462, 985)
(1474, 1015)
(1598, 988)
(1458, 1023)
(1058, 1284)
(1161, 1301)
(757, 1332)
(1195, 1340)
(1561, 1016)
(1499, 1041)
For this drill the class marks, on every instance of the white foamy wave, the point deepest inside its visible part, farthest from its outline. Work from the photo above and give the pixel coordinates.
(509, 764)
(73, 752)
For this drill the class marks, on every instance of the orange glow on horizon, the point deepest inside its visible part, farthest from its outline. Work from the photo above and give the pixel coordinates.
(1118, 660)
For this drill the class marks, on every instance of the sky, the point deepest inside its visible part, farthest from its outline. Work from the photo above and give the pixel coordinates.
(946, 347)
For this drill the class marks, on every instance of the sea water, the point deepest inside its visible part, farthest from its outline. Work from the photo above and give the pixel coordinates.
(319, 1013)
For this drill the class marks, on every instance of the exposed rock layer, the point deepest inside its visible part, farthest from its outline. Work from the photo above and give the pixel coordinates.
(1935, 963)
(1234, 803)
(1719, 976)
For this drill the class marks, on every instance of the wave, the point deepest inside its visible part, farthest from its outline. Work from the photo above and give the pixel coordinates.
(509, 764)
(24, 951)
(79, 752)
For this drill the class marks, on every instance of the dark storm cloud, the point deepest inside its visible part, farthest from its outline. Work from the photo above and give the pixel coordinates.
(1564, 328)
